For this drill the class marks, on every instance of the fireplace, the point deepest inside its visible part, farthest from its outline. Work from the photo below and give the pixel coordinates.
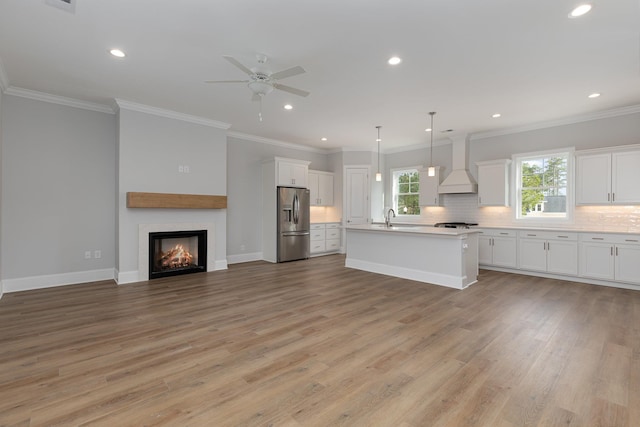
(172, 253)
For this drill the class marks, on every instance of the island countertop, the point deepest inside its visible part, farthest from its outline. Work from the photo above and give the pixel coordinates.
(416, 229)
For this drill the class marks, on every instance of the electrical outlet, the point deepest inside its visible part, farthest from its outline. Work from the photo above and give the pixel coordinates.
(97, 254)
(180, 169)
(242, 247)
(186, 169)
(87, 254)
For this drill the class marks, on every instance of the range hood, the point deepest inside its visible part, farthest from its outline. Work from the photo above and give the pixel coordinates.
(459, 180)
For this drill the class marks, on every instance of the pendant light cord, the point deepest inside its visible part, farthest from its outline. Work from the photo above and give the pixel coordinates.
(431, 148)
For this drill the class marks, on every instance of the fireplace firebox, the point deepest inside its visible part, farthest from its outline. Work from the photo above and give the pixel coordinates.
(172, 253)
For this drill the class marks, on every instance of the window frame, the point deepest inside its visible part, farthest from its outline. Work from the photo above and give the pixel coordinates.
(394, 195)
(517, 159)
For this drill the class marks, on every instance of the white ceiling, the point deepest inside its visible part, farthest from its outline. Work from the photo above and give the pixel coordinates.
(464, 59)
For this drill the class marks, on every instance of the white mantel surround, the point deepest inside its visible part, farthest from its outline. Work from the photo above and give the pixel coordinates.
(143, 245)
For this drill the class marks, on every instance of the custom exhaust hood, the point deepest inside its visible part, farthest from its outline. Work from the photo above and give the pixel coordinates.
(459, 180)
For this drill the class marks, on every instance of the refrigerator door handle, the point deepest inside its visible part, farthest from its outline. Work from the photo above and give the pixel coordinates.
(296, 208)
(295, 233)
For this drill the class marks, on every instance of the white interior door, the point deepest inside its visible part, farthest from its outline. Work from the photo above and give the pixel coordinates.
(357, 195)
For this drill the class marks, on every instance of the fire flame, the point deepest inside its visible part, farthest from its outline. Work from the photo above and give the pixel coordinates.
(175, 258)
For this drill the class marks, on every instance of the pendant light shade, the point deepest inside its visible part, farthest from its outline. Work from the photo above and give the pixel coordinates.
(378, 174)
(432, 170)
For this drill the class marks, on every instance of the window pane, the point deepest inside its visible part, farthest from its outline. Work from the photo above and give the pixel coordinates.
(543, 189)
(413, 187)
(405, 192)
(403, 188)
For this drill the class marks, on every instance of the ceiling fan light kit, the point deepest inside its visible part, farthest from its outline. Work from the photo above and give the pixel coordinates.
(262, 81)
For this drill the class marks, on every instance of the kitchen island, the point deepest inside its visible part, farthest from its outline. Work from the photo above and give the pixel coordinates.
(441, 256)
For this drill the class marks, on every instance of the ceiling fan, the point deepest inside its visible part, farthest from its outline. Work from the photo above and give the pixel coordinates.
(262, 81)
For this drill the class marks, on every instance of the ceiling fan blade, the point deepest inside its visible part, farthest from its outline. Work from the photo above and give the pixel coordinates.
(237, 63)
(289, 72)
(255, 97)
(226, 81)
(290, 89)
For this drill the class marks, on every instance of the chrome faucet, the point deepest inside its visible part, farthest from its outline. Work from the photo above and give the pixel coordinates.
(387, 218)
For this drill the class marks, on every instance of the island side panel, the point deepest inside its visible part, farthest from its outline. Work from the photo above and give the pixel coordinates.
(429, 258)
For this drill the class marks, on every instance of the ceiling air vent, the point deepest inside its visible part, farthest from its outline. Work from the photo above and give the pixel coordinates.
(68, 5)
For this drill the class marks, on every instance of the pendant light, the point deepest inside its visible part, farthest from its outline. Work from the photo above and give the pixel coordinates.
(432, 170)
(378, 174)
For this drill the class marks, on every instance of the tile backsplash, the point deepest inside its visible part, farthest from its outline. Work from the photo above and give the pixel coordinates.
(464, 207)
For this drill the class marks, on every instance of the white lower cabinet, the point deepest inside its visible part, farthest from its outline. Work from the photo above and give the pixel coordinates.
(549, 252)
(325, 238)
(610, 257)
(497, 247)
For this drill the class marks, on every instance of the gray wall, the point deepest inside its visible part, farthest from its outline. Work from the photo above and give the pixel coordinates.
(244, 176)
(58, 181)
(150, 149)
(1, 119)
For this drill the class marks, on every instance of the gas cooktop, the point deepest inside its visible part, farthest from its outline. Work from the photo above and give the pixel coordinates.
(454, 224)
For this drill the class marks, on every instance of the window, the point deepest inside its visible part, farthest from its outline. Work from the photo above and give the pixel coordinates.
(543, 186)
(406, 188)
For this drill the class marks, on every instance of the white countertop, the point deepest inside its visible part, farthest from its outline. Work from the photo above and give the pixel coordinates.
(416, 229)
(555, 229)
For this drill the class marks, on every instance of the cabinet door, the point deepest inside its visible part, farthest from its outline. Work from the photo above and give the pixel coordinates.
(562, 257)
(626, 176)
(504, 252)
(593, 179)
(485, 250)
(533, 254)
(493, 189)
(428, 195)
(325, 189)
(292, 174)
(627, 264)
(596, 260)
(314, 189)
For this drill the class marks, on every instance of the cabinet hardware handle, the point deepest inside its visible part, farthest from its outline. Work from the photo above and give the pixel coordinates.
(611, 250)
(613, 197)
(608, 197)
(630, 240)
(493, 241)
(597, 238)
(616, 251)
(504, 234)
(480, 200)
(564, 237)
(532, 235)
(548, 245)
(435, 200)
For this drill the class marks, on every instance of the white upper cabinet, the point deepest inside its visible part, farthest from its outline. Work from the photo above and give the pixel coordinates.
(292, 173)
(320, 188)
(493, 182)
(428, 193)
(604, 178)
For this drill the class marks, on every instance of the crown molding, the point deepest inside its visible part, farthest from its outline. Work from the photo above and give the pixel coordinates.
(616, 112)
(128, 105)
(275, 142)
(56, 99)
(4, 80)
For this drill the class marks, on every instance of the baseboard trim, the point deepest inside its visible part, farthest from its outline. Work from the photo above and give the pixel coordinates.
(240, 258)
(53, 280)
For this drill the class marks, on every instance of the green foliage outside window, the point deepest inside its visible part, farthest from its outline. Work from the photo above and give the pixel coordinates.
(544, 180)
(406, 190)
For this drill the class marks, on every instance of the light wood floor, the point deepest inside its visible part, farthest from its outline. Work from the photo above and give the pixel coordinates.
(311, 343)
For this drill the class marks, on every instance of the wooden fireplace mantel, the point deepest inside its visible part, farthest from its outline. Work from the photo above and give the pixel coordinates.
(175, 201)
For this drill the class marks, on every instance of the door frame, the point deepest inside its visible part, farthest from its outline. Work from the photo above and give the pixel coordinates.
(345, 193)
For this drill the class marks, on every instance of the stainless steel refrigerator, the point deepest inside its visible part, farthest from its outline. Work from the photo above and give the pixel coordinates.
(293, 223)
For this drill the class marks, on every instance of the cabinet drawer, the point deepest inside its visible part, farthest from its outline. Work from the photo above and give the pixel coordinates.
(317, 247)
(610, 238)
(317, 235)
(332, 233)
(333, 225)
(332, 245)
(497, 232)
(548, 235)
(317, 226)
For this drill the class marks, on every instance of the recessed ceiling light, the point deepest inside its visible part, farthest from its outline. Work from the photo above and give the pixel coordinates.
(594, 95)
(580, 10)
(496, 115)
(117, 53)
(394, 60)
(288, 107)
(323, 139)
